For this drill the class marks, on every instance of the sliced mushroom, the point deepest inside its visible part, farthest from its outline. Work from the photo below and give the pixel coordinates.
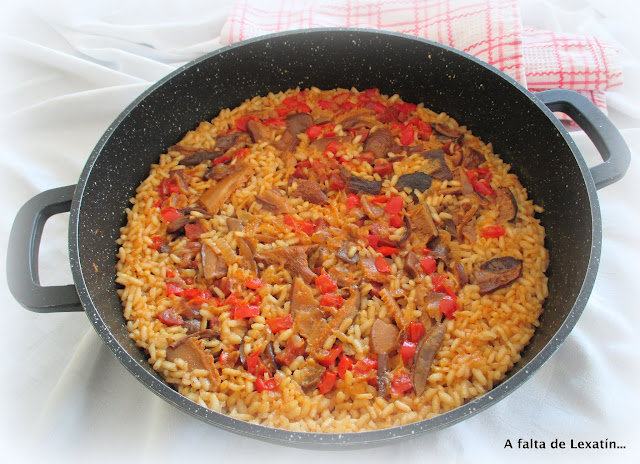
(441, 251)
(471, 158)
(213, 266)
(343, 253)
(200, 157)
(507, 205)
(412, 265)
(234, 225)
(372, 211)
(299, 122)
(247, 255)
(426, 352)
(178, 224)
(415, 181)
(311, 191)
(463, 277)
(192, 351)
(258, 131)
(219, 193)
(293, 258)
(384, 384)
(274, 201)
(384, 337)
(312, 374)
(358, 185)
(422, 224)
(380, 142)
(268, 356)
(370, 271)
(448, 131)
(497, 273)
(225, 142)
(288, 142)
(442, 172)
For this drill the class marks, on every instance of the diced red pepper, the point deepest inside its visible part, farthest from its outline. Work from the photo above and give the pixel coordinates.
(314, 132)
(426, 251)
(416, 331)
(494, 231)
(483, 188)
(387, 251)
(241, 123)
(329, 357)
(336, 182)
(406, 107)
(325, 104)
(438, 282)
(382, 266)
(243, 311)
(345, 364)
(353, 200)
(347, 106)
(169, 273)
(278, 324)
(407, 135)
(373, 241)
(383, 168)
(254, 284)
(276, 122)
(333, 147)
(304, 226)
(394, 205)
(265, 385)
(407, 350)
(389, 115)
(290, 102)
(173, 289)
(367, 157)
(365, 365)
(304, 108)
(168, 186)
(449, 291)
(332, 300)
(170, 317)
(327, 382)
(379, 199)
(363, 133)
(170, 214)
(255, 366)
(158, 242)
(341, 97)
(325, 283)
(397, 128)
(193, 231)
(282, 111)
(371, 93)
(448, 306)
(401, 382)
(291, 351)
(396, 221)
(197, 294)
(428, 264)
(379, 107)
(220, 160)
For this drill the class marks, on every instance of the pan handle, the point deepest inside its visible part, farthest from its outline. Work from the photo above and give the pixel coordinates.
(22, 257)
(598, 127)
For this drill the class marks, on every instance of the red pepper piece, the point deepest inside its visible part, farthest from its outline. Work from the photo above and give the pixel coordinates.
(353, 200)
(396, 221)
(336, 182)
(173, 289)
(265, 385)
(365, 365)
(383, 168)
(494, 231)
(325, 283)
(196, 293)
(407, 135)
(327, 382)
(387, 251)
(157, 242)
(276, 122)
(170, 317)
(278, 324)
(373, 241)
(448, 306)
(428, 264)
(291, 351)
(193, 231)
(333, 147)
(379, 199)
(401, 382)
(314, 132)
(329, 357)
(325, 104)
(304, 108)
(170, 214)
(345, 364)
(241, 123)
(394, 205)
(243, 311)
(332, 300)
(363, 133)
(255, 366)
(438, 282)
(483, 188)
(407, 350)
(416, 331)
(254, 284)
(382, 266)
(347, 106)
(379, 107)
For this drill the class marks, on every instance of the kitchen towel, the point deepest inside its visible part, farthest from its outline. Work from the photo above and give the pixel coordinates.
(491, 30)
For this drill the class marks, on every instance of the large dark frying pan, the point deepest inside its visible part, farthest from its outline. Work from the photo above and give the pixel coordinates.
(495, 107)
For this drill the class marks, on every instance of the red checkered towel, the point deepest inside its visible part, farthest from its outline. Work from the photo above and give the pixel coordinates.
(488, 29)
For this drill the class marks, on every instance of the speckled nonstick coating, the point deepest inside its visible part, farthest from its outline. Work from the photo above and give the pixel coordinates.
(496, 108)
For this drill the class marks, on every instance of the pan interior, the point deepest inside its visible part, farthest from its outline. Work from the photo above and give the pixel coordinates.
(492, 107)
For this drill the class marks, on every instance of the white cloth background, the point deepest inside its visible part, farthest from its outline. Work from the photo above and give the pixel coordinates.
(69, 67)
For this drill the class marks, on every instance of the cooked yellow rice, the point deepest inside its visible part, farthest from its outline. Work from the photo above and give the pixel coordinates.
(482, 343)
